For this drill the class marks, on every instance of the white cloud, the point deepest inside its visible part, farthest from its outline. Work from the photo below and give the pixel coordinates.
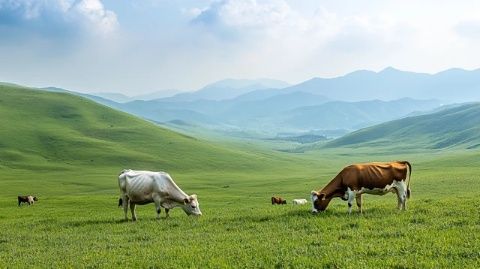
(54, 16)
(271, 38)
(468, 29)
(250, 16)
(186, 44)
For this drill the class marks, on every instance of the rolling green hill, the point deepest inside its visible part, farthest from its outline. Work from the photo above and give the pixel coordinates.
(68, 150)
(45, 130)
(457, 127)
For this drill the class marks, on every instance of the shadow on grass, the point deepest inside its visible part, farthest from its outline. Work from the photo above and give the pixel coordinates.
(82, 223)
(329, 213)
(91, 222)
(339, 213)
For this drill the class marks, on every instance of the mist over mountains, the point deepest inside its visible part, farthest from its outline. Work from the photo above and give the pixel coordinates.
(320, 105)
(452, 85)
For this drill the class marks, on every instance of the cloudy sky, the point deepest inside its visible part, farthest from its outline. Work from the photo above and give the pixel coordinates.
(139, 46)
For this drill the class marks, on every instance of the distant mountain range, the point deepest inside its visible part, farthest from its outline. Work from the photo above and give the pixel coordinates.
(296, 112)
(453, 127)
(121, 98)
(228, 89)
(452, 85)
(223, 89)
(320, 105)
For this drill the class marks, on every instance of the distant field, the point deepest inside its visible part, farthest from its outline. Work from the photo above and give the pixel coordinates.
(69, 151)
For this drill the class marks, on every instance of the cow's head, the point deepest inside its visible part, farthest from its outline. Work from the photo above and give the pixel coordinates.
(35, 198)
(191, 205)
(319, 201)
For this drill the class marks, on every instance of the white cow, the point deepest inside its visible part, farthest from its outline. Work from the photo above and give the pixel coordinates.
(300, 201)
(144, 187)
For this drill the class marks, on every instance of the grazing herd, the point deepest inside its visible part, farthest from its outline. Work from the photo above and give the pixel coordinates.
(281, 201)
(144, 187)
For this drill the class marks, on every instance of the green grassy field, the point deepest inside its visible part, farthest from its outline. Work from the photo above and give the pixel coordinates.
(76, 222)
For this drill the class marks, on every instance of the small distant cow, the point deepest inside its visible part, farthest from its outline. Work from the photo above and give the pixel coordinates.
(29, 199)
(278, 201)
(300, 201)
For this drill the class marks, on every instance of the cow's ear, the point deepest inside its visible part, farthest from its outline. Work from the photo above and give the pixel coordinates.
(314, 193)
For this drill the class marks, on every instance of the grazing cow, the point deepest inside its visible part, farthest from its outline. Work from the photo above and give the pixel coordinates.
(372, 178)
(29, 199)
(299, 201)
(278, 201)
(144, 187)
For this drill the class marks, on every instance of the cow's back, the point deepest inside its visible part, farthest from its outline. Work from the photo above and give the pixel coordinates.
(373, 175)
(131, 181)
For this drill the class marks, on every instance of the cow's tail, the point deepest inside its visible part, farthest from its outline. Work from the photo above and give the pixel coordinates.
(409, 168)
(122, 185)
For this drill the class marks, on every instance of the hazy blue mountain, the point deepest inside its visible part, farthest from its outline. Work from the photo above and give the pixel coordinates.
(354, 115)
(227, 89)
(454, 127)
(116, 97)
(121, 98)
(271, 106)
(243, 83)
(356, 100)
(156, 95)
(161, 111)
(295, 112)
(453, 85)
(259, 94)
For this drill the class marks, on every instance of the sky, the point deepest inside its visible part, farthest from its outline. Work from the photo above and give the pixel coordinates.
(140, 46)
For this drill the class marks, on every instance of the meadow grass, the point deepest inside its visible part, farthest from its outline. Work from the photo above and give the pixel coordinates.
(68, 151)
(76, 222)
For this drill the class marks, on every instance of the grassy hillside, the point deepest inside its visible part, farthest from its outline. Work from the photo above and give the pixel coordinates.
(68, 151)
(457, 127)
(43, 130)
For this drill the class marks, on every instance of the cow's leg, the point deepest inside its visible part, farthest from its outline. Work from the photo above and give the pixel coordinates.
(132, 208)
(399, 201)
(358, 198)
(401, 195)
(158, 209)
(166, 211)
(351, 196)
(158, 204)
(125, 203)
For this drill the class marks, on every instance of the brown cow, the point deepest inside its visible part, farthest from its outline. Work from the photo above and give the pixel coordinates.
(29, 199)
(278, 201)
(373, 178)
